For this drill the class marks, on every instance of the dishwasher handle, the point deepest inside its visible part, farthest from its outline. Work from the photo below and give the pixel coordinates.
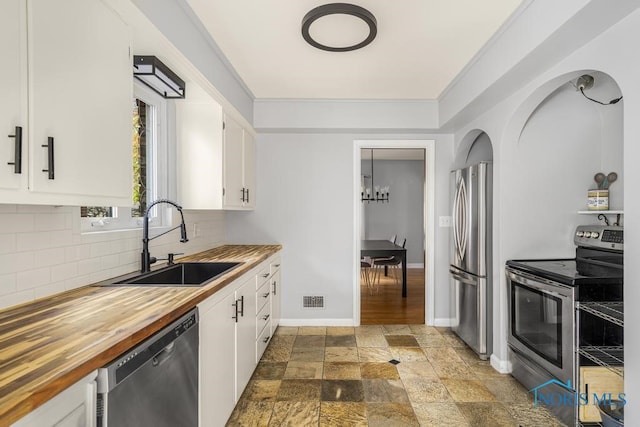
(164, 354)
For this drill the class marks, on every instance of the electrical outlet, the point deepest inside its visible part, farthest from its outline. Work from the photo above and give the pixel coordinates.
(196, 230)
(444, 221)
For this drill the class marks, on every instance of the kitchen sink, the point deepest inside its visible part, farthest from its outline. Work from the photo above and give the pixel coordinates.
(182, 274)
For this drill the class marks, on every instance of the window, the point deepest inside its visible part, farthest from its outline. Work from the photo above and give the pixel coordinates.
(149, 161)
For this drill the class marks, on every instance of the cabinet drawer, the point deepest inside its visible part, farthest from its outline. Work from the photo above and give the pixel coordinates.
(262, 275)
(262, 342)
(262, 295)
(274, 266)
(263, 318)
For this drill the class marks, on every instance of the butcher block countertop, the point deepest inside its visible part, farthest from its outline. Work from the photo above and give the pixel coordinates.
(49, 344)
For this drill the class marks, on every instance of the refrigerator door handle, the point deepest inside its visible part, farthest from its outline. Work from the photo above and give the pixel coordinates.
(455, 223)
(461, 219)
(462, 277)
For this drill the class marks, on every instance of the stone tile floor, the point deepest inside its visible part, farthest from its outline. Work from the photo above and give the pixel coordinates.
(342, 376)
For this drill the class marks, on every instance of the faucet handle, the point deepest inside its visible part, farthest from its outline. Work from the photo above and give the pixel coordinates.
(170, 257)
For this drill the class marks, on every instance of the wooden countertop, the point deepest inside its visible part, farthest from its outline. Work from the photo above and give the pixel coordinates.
(49, 344)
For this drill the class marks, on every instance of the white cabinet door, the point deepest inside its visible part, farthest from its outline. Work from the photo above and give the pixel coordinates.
(275, 300)
(80, 95)
(13, 87)
(74, 407)
(217, 363)
(246, 335)
(249, 169)
(234, 191)
(199, 155)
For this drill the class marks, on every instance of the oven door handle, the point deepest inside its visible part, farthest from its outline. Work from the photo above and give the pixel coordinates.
(539, 284)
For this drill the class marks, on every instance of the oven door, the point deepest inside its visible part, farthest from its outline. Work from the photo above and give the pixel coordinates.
(542, 322)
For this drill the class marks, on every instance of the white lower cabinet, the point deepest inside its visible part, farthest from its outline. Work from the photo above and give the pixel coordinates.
(245, 334)
(217, 359)
(235, 329)
(74, 407)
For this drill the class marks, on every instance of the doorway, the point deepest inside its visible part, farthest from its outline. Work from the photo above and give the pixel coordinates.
(406, 167)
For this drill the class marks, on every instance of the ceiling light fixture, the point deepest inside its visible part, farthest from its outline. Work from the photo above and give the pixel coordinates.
(153, 73)
(339, 9)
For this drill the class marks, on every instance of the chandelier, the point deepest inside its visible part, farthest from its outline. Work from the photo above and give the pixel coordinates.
(373, 193)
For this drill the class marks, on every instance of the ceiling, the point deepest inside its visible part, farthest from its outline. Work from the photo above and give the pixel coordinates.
(420, 47)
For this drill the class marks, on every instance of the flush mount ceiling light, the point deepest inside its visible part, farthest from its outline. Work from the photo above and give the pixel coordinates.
(153, 73)
(333, 35)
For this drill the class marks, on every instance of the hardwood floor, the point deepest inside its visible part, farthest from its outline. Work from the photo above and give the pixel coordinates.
(387, 307)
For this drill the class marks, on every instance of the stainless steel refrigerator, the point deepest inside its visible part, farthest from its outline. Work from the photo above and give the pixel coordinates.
(471, 284)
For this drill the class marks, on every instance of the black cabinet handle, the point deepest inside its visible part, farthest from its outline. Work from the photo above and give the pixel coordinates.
(242, 309)
(17, 163)
(274, 287)
(266, 295)
(266, 317)
(235, 306)
(51, 165)
(243, 195)
(247, 196)
(265, 275)
(266, 340)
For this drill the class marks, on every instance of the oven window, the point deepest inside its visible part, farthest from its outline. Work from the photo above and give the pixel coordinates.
(536, 320)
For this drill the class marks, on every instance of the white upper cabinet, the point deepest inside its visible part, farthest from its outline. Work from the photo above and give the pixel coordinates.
(79, 80)
(216, 158)
(13, 102)
(200, 181)
(239, 166)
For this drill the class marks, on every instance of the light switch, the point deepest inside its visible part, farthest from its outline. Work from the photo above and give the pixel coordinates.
(444, 221)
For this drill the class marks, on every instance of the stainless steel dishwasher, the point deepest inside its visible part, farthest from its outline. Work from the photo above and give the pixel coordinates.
(156, 383)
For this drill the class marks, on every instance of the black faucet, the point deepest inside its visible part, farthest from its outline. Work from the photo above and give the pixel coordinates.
(145, 258)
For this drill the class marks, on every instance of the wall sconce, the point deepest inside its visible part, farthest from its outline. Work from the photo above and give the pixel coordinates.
(153, 73)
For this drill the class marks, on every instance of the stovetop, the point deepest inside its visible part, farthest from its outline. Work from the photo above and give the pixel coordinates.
(599, 259)
(570, 272)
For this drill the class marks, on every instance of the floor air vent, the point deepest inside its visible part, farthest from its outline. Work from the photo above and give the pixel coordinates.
(315, 301)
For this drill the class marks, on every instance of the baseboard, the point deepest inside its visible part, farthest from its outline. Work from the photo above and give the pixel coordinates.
(500, 365)
(444, 322)
(415, 265)
(316, 322)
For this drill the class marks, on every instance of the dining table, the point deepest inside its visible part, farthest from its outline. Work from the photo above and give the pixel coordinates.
(386, 248)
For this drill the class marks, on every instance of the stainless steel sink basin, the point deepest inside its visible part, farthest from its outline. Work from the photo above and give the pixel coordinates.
(183, 274)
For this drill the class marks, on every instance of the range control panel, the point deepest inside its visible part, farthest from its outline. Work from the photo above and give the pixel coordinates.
(600, 236)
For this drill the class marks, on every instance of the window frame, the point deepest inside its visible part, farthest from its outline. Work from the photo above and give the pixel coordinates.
(158, 174)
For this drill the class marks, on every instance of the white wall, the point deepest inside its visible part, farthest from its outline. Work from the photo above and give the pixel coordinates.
(305, 202)
(614, 54)
(43, 252)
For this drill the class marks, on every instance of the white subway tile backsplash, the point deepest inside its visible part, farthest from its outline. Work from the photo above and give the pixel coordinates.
(53, 288)
(109, 261)
(43, 252)
(48, 257)
(33, 278)
(8, 243)
(8, 209)
(50, 222)
(7, 283)
(17, 298)
(17, 223)
(61, 238)
(88, 266)
(76, 253)
(64, 271)
(33, 241)
(100, 249)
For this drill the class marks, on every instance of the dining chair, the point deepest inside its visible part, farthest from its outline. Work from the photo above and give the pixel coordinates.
(393, 263)
(366, 274)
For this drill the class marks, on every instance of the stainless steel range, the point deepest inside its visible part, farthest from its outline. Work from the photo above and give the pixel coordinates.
(542, 297)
